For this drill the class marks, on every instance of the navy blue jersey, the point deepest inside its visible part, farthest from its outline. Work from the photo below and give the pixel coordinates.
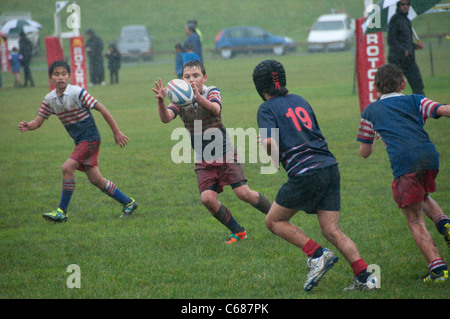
(301, 144)
(399, 119)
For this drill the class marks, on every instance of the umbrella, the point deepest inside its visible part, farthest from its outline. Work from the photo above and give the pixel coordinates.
(380, 16)
(18, 25)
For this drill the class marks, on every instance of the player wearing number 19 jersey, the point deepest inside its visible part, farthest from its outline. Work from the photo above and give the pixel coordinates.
(314, 179)
(302, 146)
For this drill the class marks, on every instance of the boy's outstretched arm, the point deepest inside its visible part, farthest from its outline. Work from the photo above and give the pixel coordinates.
(443, 110)
(120, 138)
(29, 126)
(164, 114)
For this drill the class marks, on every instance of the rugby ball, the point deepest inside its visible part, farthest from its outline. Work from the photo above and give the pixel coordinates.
(180, 92)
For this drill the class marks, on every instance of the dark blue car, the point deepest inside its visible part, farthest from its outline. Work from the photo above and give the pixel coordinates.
(251, 39)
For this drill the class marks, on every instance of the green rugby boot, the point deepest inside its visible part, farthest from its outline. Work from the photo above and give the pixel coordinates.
(440, 276)
(56, 216)
(447, 235)
(129, 208)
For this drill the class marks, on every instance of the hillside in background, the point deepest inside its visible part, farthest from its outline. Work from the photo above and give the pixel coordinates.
(165, 20)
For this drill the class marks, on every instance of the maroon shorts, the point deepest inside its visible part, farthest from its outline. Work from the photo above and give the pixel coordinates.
(214, 176)
(86, 154)
(412, 188)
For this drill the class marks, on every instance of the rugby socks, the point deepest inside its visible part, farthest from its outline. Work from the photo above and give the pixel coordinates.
(112, 191)
(442, 223)
(359, 267)
(437, 265)
(68, 186)
(312, 249)
(263, 204)
(224, 216)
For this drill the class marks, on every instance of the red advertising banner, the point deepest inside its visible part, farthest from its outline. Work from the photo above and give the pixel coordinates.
(54, 52)
(4, 55)
(78, 61)
(369, 57)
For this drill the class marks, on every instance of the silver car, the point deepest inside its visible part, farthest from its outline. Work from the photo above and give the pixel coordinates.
(135, 43)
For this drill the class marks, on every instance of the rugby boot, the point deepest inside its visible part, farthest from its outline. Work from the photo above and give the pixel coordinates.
(236, 237)
(57, 216)
(129, 208)
(437, 277)
(317, 267)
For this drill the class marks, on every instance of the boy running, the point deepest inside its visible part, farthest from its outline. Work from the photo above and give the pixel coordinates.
(398, 120)
(214, 171)
(314, 179)
(72, 105)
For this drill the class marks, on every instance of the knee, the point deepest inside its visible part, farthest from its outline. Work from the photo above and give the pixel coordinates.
(270, 222)
(67, 170)
(208, 200)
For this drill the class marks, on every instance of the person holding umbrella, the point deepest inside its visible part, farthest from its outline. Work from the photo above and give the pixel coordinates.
(26, 49)
(402, 47)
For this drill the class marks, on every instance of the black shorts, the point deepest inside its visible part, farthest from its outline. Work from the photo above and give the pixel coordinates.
(319, 189)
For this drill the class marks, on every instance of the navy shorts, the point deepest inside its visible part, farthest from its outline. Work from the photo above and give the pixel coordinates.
(319, 189)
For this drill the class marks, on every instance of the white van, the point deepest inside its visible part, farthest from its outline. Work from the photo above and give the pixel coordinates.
(335, 31)
(135, 43)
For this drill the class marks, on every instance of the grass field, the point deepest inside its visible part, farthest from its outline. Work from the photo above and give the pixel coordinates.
(171, 248)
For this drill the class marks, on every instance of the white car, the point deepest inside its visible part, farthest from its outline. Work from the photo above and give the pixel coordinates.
(335, 31)
(135, 43)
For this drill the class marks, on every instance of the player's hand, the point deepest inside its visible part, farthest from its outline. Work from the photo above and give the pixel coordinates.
(159, 90)
(121, 139)
(23, 126)
(196, 92)
(420, 45)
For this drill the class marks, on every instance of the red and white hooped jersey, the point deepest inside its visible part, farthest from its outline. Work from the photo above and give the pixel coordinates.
(73, 109)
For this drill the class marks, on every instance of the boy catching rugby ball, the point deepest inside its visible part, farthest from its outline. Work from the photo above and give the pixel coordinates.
(214, 169)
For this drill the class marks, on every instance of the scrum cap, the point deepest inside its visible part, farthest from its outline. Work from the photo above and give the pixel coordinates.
(269, 76)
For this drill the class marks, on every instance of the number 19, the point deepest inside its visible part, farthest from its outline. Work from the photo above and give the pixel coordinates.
(300, 113)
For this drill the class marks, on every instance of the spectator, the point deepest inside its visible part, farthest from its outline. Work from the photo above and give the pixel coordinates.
(26, 50)
(1, 84)
(94, 47)
(179, 52)
(15, 59)
(194, 39)
(195, 23)
(190, 55)
(401, 46)
(113, 56)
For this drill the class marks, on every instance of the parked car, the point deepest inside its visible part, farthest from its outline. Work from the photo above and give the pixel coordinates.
(246, 39)
(135, 43)
(334, 31)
